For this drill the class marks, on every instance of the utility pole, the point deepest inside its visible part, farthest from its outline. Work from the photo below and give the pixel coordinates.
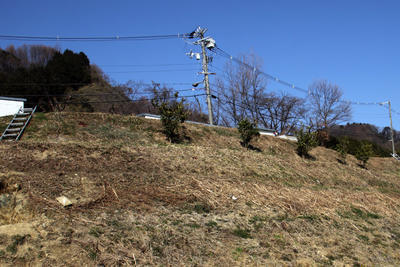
(391, 128)
(209, 43)
(206, 81)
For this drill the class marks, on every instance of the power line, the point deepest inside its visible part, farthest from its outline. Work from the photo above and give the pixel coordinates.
(93, 39)
(217, 51)
(122, 101)
(149, 65)
(230, 102)
(215, 67)
(220, 52)
(44, 84)
(140, 71)
(99, 94)
(393, 111)
(66, 84)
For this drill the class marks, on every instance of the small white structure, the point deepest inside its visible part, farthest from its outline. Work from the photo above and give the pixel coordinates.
(288, 137)
(265, 131)
(10, 106)
(149, 116)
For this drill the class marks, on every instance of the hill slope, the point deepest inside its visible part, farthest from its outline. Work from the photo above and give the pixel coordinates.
(364, 131)
(139, 200)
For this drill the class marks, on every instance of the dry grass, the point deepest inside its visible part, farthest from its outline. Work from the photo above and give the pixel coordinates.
(139, 200)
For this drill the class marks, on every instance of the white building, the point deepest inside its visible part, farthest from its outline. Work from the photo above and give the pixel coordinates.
(10, 106)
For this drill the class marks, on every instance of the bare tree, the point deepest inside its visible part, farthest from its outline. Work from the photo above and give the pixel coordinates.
(242, 94)
(241, 90)
(218, 112)
(38, 55)
(281, 112)
(326, 105)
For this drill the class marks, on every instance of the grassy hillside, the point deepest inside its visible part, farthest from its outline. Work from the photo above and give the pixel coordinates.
(139, 200)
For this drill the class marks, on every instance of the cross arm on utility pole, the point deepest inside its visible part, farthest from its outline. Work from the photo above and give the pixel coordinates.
(209, 43)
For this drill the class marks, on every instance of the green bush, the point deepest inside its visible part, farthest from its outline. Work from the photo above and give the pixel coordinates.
(364, 152)
(173, 114)
(243, 233)
(343, 148)
(306, 140)
(247, 132)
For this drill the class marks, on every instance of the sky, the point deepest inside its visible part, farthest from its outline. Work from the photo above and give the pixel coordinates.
(353, 43)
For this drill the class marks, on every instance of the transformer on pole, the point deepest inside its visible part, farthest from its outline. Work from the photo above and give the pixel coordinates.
(205, 43)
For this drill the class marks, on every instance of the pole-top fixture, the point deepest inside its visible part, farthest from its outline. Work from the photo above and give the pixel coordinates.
(205, 43)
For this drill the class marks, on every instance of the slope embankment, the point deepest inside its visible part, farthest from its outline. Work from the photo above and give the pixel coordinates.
(137, 199)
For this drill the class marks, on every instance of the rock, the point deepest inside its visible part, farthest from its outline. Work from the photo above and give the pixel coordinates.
(64, 201)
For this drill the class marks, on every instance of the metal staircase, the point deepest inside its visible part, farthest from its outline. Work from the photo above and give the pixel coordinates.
(16, 127)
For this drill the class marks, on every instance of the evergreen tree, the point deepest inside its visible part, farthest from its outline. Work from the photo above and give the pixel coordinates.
(343, 148)
(247, 132)
(364, 152)
(306, 140)
(173, 114)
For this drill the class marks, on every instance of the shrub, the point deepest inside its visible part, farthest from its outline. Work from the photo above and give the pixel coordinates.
(306, 140)
(363, 153)
(243, 233)
(343, 148)
(173, 114)
(247, 132)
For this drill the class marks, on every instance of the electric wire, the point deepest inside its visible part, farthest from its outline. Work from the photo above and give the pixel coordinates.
(217, 51)
(94, 94)
(142, 71)
(67, 84)
(93, 39)
(148, 65)
(220, 52)
(121, 101)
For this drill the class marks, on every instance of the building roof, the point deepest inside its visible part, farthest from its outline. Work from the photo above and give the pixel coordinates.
(12, 98)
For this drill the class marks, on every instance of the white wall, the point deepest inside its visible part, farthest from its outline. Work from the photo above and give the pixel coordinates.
(286, 137)
(266, 133)
(8, 107)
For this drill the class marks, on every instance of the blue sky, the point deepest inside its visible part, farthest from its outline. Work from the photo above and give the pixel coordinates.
(354, 44)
